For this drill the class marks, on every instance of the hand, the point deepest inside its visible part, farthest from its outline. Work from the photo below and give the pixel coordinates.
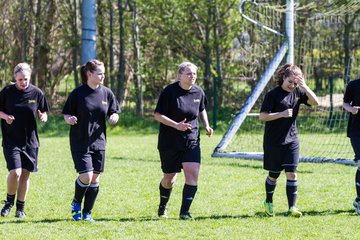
(301, 82)
(209, 131)
(355, 110)
(42, 116)
(183, 126)
(72, 120)
(114, 118)
(287, 113)
(9, 119)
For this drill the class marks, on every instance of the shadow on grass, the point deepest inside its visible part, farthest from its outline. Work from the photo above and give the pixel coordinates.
(350, 212)
(134, 159)
(28, 220)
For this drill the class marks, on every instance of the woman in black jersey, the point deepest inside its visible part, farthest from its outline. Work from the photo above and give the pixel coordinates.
(281, 144)
(178, 109)
(86, 110)
(352, 105)
(20, 103)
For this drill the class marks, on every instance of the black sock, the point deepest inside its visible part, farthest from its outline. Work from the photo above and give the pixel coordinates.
(90, 197)
(10, 198)
(80, 190)
(270, 189)
(291, 192)
(187, 198)
(20, 205)
(164, 195)
(357, 183)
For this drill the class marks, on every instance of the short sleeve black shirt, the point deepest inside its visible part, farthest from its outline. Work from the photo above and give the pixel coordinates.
(352, 96)
(91, 107)
(23, 105)
(282, 130)
(179, 104)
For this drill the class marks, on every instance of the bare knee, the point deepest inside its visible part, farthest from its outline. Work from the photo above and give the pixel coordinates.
(15, 173)
(291, 175)
(168, 180)
(86, 178)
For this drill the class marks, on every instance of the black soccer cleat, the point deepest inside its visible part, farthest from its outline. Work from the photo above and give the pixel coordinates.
(162, 211)
(5, 211)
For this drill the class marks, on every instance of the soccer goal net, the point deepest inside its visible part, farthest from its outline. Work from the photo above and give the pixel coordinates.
(326, 48)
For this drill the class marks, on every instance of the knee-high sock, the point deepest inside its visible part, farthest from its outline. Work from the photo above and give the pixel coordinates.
(90, 197)
(164, 195)
(291, 192)
(357, 183)
(187, 198)
(270, 189)
(80, 190)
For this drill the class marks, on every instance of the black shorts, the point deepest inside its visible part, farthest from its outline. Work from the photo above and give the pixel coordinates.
(25, 158)
(355, 143)
(171, 161)
(90, 161)
(280, 157)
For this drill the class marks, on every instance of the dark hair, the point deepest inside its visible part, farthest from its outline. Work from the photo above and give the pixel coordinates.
(91, 66)
(287, 70)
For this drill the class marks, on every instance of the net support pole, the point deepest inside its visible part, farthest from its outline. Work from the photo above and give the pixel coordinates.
(88, 26)
(289, 29)
(250, 101)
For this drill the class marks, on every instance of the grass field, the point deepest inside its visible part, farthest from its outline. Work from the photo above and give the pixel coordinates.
(228, 204)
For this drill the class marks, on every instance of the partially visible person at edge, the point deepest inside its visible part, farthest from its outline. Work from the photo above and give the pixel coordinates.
(20, 103)
(179, 106)
(352, 105)
(86, 110)
(281, 144)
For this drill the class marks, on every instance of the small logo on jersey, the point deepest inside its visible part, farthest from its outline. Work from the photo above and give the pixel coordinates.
(103, 102)
(196, 100)
(31, 101)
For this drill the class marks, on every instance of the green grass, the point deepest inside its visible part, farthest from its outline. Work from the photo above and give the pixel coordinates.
(228, 204)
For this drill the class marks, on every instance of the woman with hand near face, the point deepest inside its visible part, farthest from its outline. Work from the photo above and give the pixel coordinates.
(281, 144)
(20, 104)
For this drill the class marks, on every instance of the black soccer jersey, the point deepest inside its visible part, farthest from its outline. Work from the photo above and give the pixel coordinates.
(352, 96)
(91, 108)
(282, 130)
(23, 105)
(178, 104)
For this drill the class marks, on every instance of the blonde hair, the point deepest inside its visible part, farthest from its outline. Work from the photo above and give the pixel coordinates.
(185, 65)
(22, 67)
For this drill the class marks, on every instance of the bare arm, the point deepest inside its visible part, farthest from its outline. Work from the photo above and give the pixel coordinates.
(69, 119)
(8, 118)
(265, 116)
(42, 116)
(312, 98)
(114, 118)
(205, 122)
(181, 126)
(353, 109)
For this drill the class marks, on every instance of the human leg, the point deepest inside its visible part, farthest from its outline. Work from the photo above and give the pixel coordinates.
(165, 188)
(90, 197)
(170, 165)
(355, 142)
(23, 188)
(291, 193)
(12, 185)
(191, 171)
(270, 185)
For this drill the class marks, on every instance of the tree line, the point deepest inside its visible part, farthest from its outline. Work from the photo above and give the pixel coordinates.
(141, 43)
